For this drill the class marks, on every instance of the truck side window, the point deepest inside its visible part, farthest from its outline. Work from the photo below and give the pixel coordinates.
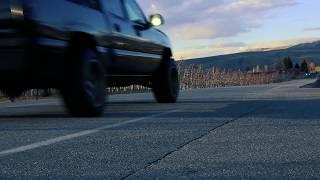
(80, 2)
(114, 7)
(94, 4)
(134, 12)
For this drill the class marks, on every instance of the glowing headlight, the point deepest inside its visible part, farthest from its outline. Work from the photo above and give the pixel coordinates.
(156, 20)
(17, 11)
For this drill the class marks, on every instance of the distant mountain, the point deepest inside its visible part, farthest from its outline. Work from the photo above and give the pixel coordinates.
(248, 60)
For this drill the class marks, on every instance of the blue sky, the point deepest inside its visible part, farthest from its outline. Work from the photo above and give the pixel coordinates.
(200, 28)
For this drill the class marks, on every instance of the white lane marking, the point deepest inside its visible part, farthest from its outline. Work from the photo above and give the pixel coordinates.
(76, 135)
(32, 105)
(5, 102)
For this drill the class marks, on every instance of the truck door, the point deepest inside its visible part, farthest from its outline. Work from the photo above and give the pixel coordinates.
(119, 37)
(133, 54)
(146, 42)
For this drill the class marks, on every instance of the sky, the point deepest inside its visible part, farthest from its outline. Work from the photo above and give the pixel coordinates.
(201, 28)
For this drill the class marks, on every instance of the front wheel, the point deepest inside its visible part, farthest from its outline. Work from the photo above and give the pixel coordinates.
(84, 91)
(165, 83)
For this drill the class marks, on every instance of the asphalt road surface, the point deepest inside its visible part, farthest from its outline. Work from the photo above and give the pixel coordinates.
(267, 131)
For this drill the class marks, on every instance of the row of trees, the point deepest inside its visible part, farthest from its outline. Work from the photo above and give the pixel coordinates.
(287, 65)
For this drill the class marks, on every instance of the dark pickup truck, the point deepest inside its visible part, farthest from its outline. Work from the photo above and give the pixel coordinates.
(81, 47)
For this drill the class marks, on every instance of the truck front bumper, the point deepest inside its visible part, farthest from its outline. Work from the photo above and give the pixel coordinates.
(27, 63)
(12, 59)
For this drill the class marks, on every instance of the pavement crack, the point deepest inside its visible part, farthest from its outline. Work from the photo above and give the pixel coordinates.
(193, 140)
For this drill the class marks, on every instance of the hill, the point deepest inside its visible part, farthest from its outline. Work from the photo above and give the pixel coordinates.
(248, 60)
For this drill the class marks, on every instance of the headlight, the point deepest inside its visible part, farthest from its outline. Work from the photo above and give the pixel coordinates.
(17, 12)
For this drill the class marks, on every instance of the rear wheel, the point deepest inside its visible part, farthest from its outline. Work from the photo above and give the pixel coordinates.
(12, 93)
(84, 92)
(165, 83)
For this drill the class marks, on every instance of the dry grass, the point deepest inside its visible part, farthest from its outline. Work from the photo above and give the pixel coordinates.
(193, 77)
(198, 77)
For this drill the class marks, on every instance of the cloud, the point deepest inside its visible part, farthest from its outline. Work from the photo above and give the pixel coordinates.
(204, 52)
(254, 6)
(279, 44)
(312, 29)
(221, 47)
(218, 47)
(228, 44)
(210, 19)
(201, 28)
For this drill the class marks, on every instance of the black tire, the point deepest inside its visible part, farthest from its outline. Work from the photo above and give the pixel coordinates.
(165, 85)
(84, 91)
(12, 93)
